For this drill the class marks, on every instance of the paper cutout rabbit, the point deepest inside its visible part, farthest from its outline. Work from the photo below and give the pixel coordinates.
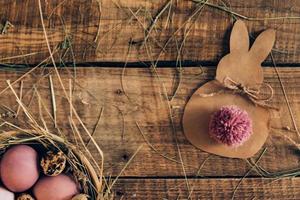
(238, 79)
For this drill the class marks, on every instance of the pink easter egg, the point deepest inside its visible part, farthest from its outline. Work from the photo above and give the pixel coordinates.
(61, 187)
(19, 168)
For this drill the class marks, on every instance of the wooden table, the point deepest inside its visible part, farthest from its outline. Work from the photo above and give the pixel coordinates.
(117, 78)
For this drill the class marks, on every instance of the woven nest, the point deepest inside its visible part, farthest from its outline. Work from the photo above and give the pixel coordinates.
(77, 163)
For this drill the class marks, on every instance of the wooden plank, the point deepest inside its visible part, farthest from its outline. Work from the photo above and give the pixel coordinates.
(143, 102)
(207, 189)
(123, 24)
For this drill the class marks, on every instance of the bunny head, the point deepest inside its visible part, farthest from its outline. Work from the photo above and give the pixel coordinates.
(242, 64)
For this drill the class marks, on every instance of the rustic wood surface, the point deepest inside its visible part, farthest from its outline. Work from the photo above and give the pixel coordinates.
(208, 189)
(99, 37)
(200, 34)
(144, 102)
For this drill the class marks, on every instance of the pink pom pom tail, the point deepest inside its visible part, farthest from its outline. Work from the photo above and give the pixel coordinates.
(231, 126)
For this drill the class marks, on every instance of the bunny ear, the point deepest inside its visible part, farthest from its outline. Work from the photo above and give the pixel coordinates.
(239, 38)
(263, 45)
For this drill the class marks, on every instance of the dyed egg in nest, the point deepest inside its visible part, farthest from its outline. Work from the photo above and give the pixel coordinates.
(19, 168)
(53, 163)
(6, 195)
(80, 197)
(25, 197)
(61, 187)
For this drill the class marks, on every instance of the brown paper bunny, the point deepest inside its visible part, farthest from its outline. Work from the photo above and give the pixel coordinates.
(238, 80)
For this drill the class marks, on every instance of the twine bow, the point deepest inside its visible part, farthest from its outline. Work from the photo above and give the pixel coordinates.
(253, 94)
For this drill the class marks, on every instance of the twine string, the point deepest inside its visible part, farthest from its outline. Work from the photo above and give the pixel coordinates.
(253, 94)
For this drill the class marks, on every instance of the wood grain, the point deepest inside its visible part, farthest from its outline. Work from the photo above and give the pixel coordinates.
(143, 102)
(124, 24)
(207, 189)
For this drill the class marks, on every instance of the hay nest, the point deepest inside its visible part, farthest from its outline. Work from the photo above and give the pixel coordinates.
(77, 164)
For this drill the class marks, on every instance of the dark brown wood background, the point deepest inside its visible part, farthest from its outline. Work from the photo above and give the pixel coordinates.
(195, 37)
